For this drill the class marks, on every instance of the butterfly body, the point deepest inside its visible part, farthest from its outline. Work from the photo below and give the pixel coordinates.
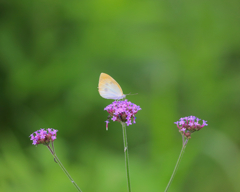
(108, 88)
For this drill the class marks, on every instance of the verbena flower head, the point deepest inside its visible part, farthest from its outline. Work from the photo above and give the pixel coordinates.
(190, 124)
(43, 136)
(122, 111)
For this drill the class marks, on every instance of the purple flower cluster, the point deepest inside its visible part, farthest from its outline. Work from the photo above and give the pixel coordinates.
(43, 136)
(190, 124)
(122, 111)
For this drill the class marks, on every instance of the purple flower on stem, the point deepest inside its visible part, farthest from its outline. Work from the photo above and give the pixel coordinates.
(122, 111)
(190, 124)
(46, 137)
(43, 137)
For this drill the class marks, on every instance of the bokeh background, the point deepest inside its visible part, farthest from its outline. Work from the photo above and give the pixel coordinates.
(181, 57)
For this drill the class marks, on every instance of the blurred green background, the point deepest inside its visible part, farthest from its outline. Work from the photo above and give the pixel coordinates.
(181, 57)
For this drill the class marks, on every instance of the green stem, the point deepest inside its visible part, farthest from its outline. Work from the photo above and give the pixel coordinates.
(62, 167)
(125, 143)
(177, 164)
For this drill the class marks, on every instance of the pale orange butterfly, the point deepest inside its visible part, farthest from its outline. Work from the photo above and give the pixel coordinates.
(108, 88)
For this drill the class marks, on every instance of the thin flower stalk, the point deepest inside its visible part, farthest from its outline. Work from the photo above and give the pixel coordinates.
(123, 112)
(125, 143)
(186, 126)
(177, 164)
(46, 137)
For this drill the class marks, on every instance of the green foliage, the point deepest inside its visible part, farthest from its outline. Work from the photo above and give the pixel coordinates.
(181, 57)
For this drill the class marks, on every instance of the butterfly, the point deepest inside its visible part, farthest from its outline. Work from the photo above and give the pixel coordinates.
(108, 88)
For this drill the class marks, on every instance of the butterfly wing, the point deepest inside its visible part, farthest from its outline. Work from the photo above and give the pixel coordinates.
(108, 88)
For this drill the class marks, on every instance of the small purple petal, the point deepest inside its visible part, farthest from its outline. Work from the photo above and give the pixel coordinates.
(181, 122)
(129, 123)
(114, 118)
(204, 123)
(191, 118)
(42, 132)
(32, 136)
(34, 142)
(54, 131)
(196, 123)
(198, 119)
(190, 124)
(42, 136)
(49, 130)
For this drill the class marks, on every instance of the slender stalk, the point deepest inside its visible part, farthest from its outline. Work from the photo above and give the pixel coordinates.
(183, 140)
(177, 164)
(125, 143)
(62, 167)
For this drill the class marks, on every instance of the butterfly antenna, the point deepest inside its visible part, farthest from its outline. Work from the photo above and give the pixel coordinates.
(132, 94)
